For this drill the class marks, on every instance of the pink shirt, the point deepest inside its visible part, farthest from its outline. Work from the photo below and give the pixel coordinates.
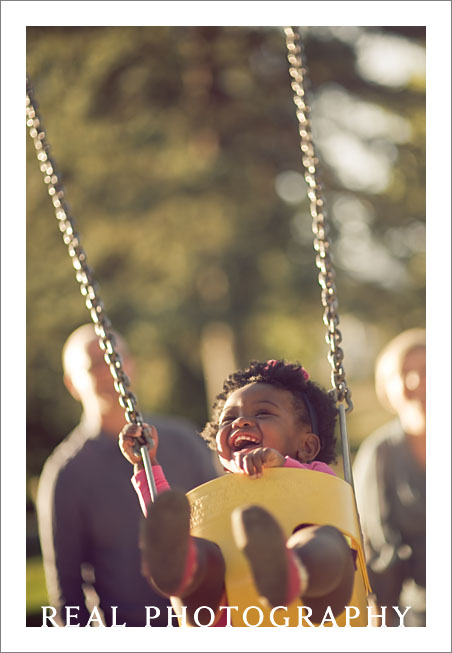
(140, 483)
(316, 466)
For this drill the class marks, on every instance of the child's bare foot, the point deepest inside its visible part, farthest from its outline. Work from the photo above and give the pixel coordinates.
(277, 576)
(169, 551)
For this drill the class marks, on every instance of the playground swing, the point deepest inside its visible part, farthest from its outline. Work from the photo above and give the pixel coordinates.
(211, 501)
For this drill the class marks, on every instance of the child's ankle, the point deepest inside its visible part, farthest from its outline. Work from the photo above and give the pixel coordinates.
(191, 567)
(298, 577)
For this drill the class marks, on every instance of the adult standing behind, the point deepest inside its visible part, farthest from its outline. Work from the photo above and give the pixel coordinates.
(389, 474)
(88, 515)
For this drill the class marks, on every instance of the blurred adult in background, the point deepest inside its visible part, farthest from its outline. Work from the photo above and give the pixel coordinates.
(88, 515)
(389, 473)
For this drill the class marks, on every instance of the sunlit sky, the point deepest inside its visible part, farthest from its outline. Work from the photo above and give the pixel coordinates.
(359, 139)
(356, 137)
(387, 59)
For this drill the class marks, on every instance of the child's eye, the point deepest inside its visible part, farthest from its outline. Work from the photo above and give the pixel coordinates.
(264, 412)
(226, 419)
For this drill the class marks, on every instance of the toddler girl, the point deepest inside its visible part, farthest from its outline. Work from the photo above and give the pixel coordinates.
(268, 415)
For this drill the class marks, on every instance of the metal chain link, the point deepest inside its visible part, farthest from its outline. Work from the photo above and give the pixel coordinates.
(84, 274)
(322, 245)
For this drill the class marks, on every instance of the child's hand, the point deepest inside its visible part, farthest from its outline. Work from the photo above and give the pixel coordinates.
(130, 445)
(252, 462)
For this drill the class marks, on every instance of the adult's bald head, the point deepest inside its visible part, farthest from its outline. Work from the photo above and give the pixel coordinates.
(85, 370)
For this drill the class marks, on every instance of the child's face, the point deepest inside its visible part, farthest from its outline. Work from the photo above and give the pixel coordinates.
(261, 415)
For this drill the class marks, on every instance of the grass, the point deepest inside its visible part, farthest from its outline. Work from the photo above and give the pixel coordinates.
(36, 587)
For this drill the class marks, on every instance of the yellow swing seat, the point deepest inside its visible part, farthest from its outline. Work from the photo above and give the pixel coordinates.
(293, 496)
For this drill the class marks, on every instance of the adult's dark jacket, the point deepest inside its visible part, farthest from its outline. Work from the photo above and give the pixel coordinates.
(89, 518)
(391, 497)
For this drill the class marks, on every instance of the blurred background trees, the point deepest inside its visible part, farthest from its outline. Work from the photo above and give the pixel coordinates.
(178, 148)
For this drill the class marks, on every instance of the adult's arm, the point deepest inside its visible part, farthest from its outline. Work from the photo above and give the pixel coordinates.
(62, 540)
(381, 541)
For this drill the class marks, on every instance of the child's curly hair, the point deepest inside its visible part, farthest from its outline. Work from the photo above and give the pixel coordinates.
(308, 398)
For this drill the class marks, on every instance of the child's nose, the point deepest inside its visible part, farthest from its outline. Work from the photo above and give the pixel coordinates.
(242, 420)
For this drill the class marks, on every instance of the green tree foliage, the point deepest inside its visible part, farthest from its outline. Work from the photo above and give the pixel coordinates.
(179, 153)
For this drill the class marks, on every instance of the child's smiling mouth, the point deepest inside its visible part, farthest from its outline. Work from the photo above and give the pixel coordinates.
(241, 440)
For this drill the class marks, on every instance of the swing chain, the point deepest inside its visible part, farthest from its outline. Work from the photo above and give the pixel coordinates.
(84, 273)
(322, 245)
